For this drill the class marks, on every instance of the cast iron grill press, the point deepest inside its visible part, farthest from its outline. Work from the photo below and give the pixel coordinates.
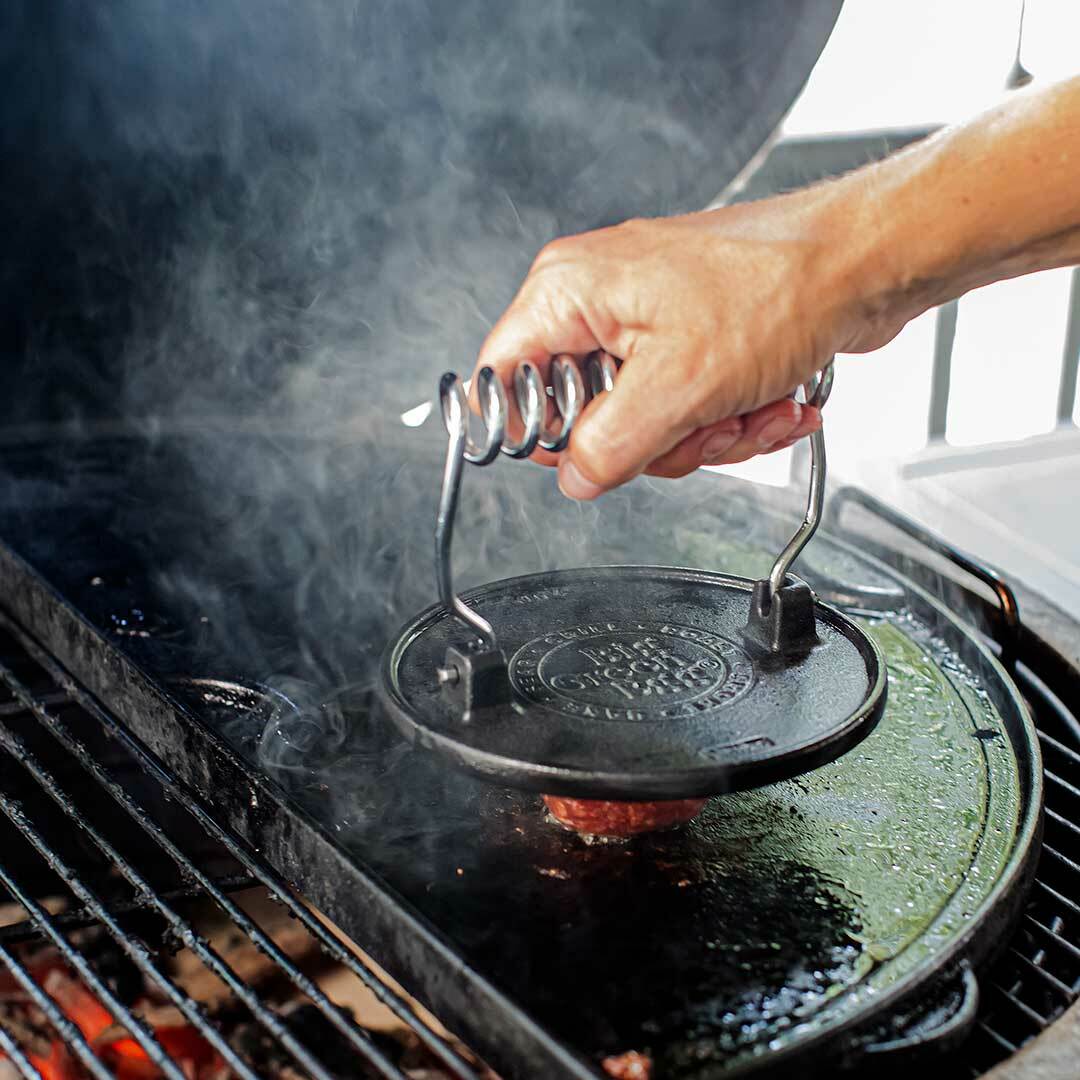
(625, 682)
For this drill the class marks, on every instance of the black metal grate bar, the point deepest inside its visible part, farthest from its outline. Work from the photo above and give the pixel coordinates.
(1053, 852)
(16, 708)
(1063, 900)
(1067, 993)
(1049, 743)
(14, 1053)
(332, 946)
(28, 703)
(1063, 784)
(78, 917)
(1055, 937)
(72, 1036)
(1036, 1018)
(1004, 1043)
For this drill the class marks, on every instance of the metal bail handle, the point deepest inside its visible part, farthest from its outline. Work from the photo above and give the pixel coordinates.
(782, 621)
(781, 617)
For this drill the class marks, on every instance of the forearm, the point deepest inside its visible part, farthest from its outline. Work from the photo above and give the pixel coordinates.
(719, 315)
(992, 199)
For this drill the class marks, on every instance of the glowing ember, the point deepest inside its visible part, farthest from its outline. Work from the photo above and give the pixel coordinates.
(112, 1043)
(628, 1066)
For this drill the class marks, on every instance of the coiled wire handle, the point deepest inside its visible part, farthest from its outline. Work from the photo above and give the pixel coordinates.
(568, 389)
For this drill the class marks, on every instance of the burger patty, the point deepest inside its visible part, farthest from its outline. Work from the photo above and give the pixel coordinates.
(602, 817)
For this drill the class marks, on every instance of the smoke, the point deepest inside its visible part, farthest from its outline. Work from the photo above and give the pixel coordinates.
(256, 234)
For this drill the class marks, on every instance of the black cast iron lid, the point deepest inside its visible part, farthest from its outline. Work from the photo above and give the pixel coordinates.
(635, 682)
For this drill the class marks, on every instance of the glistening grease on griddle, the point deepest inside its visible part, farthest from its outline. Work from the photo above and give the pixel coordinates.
(626, 695)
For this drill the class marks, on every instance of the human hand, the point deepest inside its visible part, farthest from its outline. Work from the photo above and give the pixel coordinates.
(717, 317)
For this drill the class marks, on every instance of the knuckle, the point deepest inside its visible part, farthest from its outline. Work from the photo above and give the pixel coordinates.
(633, 224)
(553, 252)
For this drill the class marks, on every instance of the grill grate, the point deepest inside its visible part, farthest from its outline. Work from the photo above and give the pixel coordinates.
(1038, 977)
(99, 823)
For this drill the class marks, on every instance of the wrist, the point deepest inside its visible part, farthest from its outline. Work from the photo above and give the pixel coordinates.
(896, 248)
(865, 284)
(963, 208)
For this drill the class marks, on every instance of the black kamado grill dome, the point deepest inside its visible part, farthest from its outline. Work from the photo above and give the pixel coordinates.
(400, 162)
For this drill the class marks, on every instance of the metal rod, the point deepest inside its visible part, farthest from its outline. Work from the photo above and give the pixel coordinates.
(206, 954)
(1070, 826)
(1053, 852)
(1039, 1020)
(999, 1039)
(1055, 779)
(1068, 946)
(16, 708)
(14, 1053)
(1070, 905)
(76, 918)
(1018, 74)
(444, 527)
(815, 501)
(1048, 742)
(61, 1024)
(1048, 977)
(239, 850)
(1070, 357)
(119, 1012)
(941, 378)
(817, 393)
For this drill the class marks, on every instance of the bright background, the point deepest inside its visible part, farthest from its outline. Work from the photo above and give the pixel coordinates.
(933, 61)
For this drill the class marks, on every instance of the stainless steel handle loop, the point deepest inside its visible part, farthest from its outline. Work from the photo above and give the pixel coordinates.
(816, 392)
(456, 418)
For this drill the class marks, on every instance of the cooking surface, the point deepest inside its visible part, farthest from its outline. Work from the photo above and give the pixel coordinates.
(737, 932)
(736, 927)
